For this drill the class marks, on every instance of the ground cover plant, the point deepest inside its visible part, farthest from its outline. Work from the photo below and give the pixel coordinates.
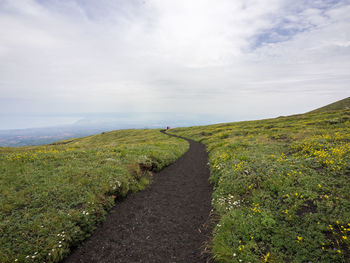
(53, 196)
(281, 187)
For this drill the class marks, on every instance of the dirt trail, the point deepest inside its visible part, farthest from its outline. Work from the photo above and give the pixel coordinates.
(167, 222)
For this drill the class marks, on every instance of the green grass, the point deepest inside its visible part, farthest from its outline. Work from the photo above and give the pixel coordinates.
(54, 196)
(282, 191)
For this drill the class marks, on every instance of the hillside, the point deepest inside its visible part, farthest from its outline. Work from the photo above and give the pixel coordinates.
(338, 105)
(53, 196)
(281, 187)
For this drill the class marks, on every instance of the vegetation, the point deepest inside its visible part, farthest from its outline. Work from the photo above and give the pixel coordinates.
(281, 187)
(53, 196)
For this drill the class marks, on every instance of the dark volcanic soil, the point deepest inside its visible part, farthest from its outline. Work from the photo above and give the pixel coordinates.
(167, 222)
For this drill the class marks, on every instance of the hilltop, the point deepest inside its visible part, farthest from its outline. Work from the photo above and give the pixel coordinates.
(338, 105)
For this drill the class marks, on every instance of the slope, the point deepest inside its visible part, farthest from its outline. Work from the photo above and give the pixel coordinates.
(281, 187)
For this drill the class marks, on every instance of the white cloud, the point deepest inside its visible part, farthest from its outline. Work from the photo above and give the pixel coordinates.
(254, 56)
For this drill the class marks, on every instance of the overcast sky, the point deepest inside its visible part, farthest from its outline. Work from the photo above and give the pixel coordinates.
(242, 58)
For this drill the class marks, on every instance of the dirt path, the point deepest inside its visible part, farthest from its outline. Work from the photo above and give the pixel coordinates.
(167, 222)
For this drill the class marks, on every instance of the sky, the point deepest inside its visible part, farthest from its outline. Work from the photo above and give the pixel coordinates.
(243, 59)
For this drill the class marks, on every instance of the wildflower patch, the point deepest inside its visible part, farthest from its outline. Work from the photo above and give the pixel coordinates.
(281, 187)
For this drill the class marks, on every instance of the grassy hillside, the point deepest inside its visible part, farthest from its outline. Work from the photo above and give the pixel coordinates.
(282, 190)
(338, 105)
(53, 196)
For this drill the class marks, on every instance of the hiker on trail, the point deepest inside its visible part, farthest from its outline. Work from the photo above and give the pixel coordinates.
(168, 127)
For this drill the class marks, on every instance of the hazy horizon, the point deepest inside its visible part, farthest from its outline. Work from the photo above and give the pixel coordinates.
(18, 121)
(138, 119)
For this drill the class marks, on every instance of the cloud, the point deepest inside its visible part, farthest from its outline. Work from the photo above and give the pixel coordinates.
(256, 56)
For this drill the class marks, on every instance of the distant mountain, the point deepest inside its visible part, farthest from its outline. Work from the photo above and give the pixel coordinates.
(338, 105)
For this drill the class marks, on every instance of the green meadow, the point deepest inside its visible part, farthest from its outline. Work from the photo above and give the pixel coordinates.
(281, 187)
(54, 196)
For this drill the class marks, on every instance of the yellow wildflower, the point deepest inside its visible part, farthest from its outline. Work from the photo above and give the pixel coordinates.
(267, 256)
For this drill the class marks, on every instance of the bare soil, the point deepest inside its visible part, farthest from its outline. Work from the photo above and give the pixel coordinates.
(167, 222)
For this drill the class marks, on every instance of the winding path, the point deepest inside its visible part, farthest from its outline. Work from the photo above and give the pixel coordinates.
(167, 222)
